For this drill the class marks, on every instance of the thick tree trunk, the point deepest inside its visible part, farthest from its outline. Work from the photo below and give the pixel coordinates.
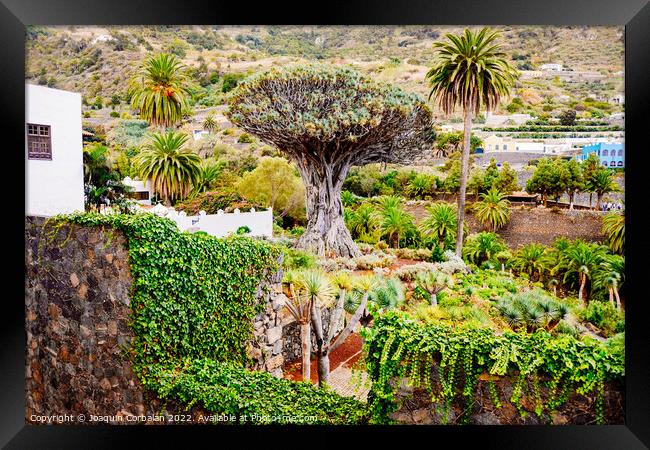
(599, 198)
(464, 164)
(305, 340)
(326, 233)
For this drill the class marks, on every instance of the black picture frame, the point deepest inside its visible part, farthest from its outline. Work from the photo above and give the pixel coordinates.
(633, 14)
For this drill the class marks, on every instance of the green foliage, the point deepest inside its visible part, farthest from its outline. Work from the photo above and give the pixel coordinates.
(614, 231)
(493, 209)
(396, 346)
(192, 310)
(129, 133)
(212, 202)
(159, 90)
(173, 169)
(603, 315)
(298, 259)
(530, 259)
(481, 247)
(568, 117)
(532, 310)
(230, 81)
(231, 390)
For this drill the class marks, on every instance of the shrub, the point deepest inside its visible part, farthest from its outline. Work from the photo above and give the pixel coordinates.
(604, 316)
(114, 114)
(245, 138)
(298, 259)
(373, 260)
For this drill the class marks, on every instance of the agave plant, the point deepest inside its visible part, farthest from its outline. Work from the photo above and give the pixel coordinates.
(493, 209)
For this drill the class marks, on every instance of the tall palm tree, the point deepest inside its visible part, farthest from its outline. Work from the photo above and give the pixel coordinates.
(173, 170)
(440, 222)
(610, 275)
(159, 90)
(614, 231)
(493, 209)
(472, 72)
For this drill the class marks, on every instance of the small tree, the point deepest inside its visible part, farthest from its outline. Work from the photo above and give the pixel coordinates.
(572, 179)
(327, 119)
(440, 222)
(433, 283)
(506, 181)
(546, 180)
(568, 117)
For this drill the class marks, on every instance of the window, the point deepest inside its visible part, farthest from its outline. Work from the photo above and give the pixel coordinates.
(39, 141)
(505, 147)
(605, 163)
(496, 147)
(620, 152)
(142, 195)
(605, 153)
(612, 164)
(620, 164)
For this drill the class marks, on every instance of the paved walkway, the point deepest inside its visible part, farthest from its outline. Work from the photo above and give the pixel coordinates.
(348, 385)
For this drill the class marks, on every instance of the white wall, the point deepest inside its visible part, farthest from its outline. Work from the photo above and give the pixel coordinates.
(56, 186)
(220, 224)
(140, 186)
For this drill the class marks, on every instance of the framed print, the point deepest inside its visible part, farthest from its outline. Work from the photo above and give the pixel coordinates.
(383, 218)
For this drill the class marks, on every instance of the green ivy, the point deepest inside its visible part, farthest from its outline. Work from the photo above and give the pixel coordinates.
(193, 302)
(398, 347)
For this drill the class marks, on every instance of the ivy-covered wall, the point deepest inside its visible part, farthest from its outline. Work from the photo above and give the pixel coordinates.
(125, 315)
(441, 374)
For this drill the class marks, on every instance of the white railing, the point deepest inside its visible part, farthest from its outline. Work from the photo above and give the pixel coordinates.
(260, 223)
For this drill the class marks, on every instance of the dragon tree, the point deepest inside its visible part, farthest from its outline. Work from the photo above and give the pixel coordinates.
(327, 119)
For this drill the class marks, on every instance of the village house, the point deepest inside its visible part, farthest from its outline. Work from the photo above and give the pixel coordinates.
(611, 154)
(53, 152)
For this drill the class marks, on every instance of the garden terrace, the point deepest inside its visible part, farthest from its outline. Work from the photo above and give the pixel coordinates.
(143, 316)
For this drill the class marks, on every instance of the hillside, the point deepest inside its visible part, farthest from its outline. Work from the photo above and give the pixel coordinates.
(98, 61)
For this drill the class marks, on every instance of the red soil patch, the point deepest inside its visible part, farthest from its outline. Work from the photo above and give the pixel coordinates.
(347, 353)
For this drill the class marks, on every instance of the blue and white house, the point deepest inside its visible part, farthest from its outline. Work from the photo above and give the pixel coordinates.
(611, 154)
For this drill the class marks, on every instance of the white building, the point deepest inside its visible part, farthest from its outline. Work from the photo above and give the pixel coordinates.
(552, 67)
(142, 191)
(199, 134)
(54, 181)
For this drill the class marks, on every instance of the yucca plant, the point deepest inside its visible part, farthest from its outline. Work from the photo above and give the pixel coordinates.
(532, 310)
(173, 170)
(614, 231)
(209, 123)
(433, 283)
(307, 291)
(471, 72)
(160, 89)
(493, 209)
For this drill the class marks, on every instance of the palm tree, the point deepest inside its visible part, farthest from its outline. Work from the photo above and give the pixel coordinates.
(440, 222)
(530, 259)
(609, 275)
(363, 221)
(472, 72)
(210, 171)
(432, 283)
(493, 209)
(420, 185)
(602, 183)
(173, 170)
(581, 259)
(159, 90)
(614, 231)
(96, 165)
(395, 223)
(482, 247)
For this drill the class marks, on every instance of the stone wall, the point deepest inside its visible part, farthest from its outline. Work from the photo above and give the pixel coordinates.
(77, 325)
(416, 407)
(536, 224)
